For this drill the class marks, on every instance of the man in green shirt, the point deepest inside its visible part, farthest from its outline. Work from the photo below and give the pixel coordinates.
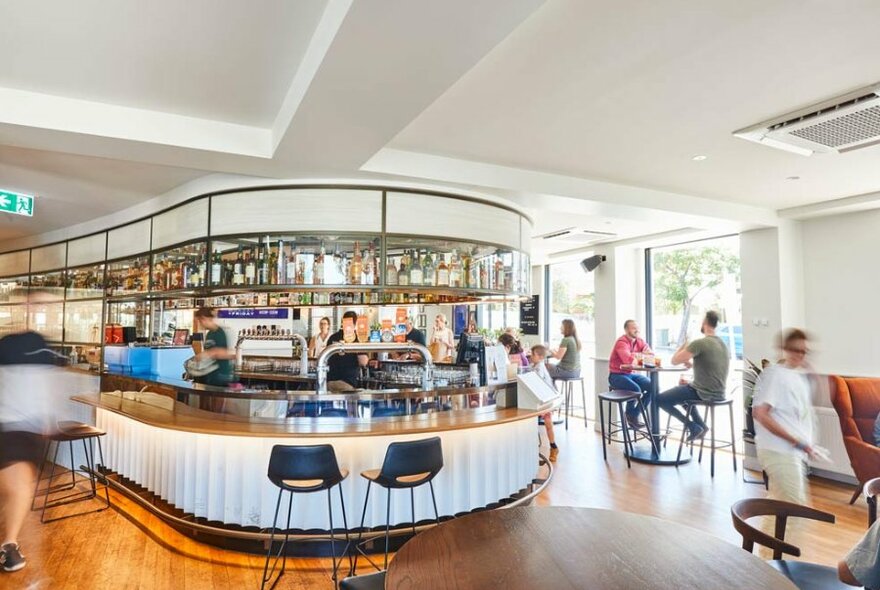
(710, 359)
(216, 347)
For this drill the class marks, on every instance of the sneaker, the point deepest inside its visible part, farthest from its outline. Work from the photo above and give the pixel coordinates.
(697, 433)
(554, 452)
(11, 558)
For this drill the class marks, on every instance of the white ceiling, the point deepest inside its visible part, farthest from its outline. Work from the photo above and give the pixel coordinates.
(584, 113)
(226, 60)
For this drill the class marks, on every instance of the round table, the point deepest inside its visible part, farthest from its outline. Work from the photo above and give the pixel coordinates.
(656, 454)
(567, 548)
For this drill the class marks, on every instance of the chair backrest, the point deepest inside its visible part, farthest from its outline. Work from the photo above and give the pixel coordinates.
(872, 490)
(306, 462)
(857, 402)
(745, 509)
(411, 458)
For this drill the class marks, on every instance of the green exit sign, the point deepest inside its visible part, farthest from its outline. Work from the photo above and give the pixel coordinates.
(16, 203)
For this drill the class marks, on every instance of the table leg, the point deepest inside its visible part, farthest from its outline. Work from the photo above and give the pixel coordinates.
(655, 454)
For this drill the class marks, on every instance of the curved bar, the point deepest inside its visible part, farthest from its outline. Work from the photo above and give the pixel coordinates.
(345, 348)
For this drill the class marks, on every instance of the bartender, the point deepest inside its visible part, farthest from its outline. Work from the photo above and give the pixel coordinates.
(416, 336)
(344, 370)
(216, 347)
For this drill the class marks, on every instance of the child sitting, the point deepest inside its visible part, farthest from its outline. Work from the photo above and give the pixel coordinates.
(539, 366)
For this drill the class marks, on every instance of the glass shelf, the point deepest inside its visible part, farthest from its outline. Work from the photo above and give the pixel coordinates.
(128, 276)
(13, 290)
(183, 267)
(335, 260)
(48, 286)
(85, 282)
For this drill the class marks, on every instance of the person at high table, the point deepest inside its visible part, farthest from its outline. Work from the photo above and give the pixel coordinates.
(568, 354)
(621, 377)
(710, 359)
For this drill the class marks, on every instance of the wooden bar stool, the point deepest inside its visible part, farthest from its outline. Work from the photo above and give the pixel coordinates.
(620, 397)
(71, 432)
(709, 419)
(567, 389)
(303, 470)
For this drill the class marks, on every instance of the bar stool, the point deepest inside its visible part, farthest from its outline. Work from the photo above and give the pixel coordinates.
(71, 432)
(303, 470)
(567, 389)
(621, 397)
(374, 581)
(407, 465)
(709, 419)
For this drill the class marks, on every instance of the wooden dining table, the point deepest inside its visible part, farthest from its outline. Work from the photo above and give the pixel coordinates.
(560, 548)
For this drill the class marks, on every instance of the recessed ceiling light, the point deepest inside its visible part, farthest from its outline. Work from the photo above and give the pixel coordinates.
(792, 178)
(699, 158)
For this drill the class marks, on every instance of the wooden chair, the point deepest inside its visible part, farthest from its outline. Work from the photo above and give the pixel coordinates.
(806, 576)
(872, 490)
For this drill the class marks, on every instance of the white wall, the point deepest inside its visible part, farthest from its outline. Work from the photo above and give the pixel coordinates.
(760, 280)
(840, 287)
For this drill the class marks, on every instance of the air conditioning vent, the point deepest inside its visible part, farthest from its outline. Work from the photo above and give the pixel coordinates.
(839, 125)
(577, 236)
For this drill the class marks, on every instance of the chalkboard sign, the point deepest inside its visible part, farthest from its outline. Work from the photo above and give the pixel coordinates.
(528, 316)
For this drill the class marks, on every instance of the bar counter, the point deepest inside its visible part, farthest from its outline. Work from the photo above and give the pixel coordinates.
(202, 450)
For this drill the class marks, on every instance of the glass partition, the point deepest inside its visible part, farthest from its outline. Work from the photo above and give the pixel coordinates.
(130, 314)
(183, 267)
(82, 321)
(13, 290)
(49, 285)
(12, 319)
(47, 319)
(85, 282)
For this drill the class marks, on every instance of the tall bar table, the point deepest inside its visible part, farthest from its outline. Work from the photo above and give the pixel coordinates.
(655, 454)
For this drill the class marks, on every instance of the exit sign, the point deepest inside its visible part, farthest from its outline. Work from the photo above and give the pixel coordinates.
(16, 203)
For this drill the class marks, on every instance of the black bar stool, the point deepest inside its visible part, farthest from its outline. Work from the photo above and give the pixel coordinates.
(709, 419)
(621, 397)
(303, 470)
(407, 465)
(368, 582)
(71, 432)
(567, 389)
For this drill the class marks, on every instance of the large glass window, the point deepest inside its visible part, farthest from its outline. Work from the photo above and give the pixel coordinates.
(572, 296)
(686, 281)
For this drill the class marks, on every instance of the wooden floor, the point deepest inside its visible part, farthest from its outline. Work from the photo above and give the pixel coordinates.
(109, 550)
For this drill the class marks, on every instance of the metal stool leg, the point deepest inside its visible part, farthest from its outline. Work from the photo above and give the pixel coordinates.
(434, 501)
(703, 440)
(732, 435)
(684, 429)
(49, 483)
(627, 445)
(712, 451)
(40, 475)
(584, 402)
(271, 541)
(387, 527)
(345, 525)
(644, 411)
(602, 426)
(567, 386)
(334, 577)
(357, 546)
(666, 432)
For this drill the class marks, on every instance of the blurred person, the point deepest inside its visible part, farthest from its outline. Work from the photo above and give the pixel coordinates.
(319, 340)
(28, 383)
(539, 365)
(442, 340)
(710, 360)
(568, 354)
(216, 346)
(514, 350)
(620, 377)
(784, 420)
(344, 370)
(861, 566)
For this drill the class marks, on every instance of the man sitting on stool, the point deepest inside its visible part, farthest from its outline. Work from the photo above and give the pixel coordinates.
(711, 361)
(619, 377)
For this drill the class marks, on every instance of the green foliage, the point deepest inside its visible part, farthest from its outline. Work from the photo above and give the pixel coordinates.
(580, 305)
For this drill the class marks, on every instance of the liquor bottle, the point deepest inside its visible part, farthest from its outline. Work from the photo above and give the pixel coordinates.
(356, 267)
(263, 266)
(319, 266)
(250, 268)
(280, 265)
(499, 274)
(273, 266)
(403, 272)
(429, 277)
(390, 272)
(443, 274)
(300, 277)
(455, 271)
(484, 276)
(374, 263)
(216, 267)
(415, 271)
(203, 269)
(290, 265)
(238, 268)
(369, 262)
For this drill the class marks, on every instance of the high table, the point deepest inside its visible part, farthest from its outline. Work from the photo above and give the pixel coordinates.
(567, 548)
(656, 454)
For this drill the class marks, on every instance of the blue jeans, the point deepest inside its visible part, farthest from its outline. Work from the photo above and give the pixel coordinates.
(668, 400)
(558, 373)
(632, 382)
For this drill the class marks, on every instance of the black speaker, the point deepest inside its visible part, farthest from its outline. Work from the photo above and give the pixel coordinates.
(590, 264)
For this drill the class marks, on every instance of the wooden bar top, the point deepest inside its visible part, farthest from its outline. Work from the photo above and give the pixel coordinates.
(189, 419)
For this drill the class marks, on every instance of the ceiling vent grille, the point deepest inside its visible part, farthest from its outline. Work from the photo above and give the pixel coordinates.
(577, 236)
(839, 125)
